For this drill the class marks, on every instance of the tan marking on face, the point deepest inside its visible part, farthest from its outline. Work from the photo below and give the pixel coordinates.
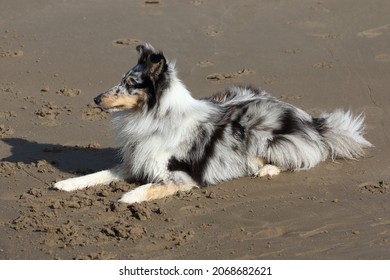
(122, 101)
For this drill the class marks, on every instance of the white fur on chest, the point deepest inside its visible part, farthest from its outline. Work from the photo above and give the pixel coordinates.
(149, 141)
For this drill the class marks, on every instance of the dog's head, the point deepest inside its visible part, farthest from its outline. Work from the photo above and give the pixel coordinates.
(141, 86)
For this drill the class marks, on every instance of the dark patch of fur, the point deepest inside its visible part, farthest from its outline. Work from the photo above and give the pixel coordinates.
(289, 123)
(239, 132)
(201, 152)
(319, 124)
(178, 165)
(201, 165)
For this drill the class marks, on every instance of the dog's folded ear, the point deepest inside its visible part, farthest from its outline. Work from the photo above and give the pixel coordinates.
(140, 49)
(156, 64)
(155, 61)
(145, 49)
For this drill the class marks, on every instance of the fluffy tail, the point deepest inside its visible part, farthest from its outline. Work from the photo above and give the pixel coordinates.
(343, 134)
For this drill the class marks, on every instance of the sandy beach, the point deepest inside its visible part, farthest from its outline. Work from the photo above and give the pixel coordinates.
(56, 56)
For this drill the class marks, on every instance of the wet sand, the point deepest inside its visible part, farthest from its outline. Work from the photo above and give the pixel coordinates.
(55, 56)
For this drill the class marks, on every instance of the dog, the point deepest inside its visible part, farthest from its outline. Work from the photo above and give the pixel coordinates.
(173, 142)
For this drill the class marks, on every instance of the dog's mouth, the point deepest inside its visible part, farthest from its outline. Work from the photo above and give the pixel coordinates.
(111, 109)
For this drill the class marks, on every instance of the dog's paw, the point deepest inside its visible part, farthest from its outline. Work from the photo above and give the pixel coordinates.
(136, 196)
(68, 185)
(154, 191)
(268, 170)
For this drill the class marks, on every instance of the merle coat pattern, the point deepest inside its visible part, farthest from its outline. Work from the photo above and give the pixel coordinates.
(173, 142)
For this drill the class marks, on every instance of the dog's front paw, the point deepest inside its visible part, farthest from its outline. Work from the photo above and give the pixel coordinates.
(154, 191)
(67, 185)
(135, 196)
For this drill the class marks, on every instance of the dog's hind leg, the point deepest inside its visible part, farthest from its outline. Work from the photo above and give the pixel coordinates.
(263, 169)
(90, 180)
(268, 171)
(154, 191)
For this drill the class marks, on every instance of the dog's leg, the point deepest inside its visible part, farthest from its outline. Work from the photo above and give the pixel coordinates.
(267, 170)
(264, 170)
(154, 191)
(78, 183)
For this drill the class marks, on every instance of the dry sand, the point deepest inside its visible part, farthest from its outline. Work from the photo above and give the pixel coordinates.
(55, 56)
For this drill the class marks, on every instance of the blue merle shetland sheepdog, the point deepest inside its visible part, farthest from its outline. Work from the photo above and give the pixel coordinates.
(173, 142)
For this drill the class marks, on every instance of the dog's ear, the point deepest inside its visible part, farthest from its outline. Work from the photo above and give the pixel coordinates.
(145, 49)
(157, 64)
(140, 49)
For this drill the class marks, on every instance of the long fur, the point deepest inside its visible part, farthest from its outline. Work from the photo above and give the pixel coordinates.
(174, 142)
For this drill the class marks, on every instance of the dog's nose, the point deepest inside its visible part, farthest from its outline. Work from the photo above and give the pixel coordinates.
(97, 99)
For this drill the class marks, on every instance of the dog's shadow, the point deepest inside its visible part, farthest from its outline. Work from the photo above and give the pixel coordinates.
(70, 159)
